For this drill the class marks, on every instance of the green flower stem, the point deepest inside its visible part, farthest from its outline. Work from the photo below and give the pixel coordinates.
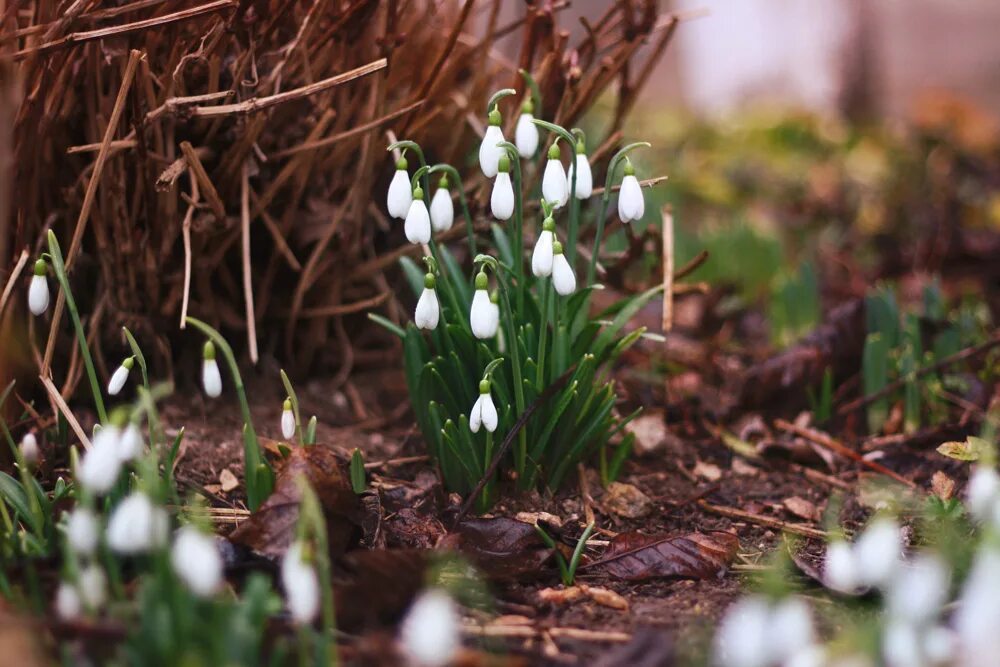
(605, 199)
(515, 165)
(574, 222)
(59, 266)
(253, 458)
(455, 178)
(536, 94)
(139, 357)
(152, 414)
(543, 326)
(497, 96)
(315, 524)
(290, 391)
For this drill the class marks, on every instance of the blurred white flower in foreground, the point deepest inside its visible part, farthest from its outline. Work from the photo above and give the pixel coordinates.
(430, 633)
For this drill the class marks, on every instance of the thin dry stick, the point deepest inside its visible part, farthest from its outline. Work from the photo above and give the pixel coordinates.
(354, 131)
(760, 520)
(668, 269)
(198, 169)
(14, 275)
(648, 183)
(88, 199)
(255, 104)
(57, 398)
(838, 447)
(186, 234)
(247, 284)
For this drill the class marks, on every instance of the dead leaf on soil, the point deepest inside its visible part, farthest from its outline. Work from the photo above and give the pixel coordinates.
(708, 471)
(410, 529)
(942, 485)
(270, 529)
(626, 500)
(227, 480)
(802, 508)
(650, 432)
(602, 596)
(535, 517)
(971, 450)
(637, 557)
(504, 549)
(374, 588)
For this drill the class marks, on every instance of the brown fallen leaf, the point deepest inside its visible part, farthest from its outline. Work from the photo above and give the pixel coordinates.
(802, 508)
(708, 471)
(602, 596)
(636, 557)
(374, 588)
(626, 500)
(560, 595)
(605, 597)
(504, 549)
(942, 485)
(650, 431)
(227, 480)
(269, 531)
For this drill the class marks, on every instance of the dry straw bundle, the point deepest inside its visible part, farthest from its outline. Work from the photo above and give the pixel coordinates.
(227, 158)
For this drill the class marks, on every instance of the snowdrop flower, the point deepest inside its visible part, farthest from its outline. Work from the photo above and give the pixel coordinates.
(790, 629)
(584, 178)
(483, 412)
(196, 560)
(211, 378)
(563, 278)
(901, 645)
(483, 317)
(29, 449)
(983, 492)
(430, 631)
(301, 585)
(68, 604)
(630, 202)
(287, 420)
(82, 531)
(100, 465)
(428, 310)
(877, 552)
(489, 152)
(541, 256)
(743, 638)
(92, 586)
(977, 615)
(502, 199)
(918, 589)
(130, 445)
(555, 190)
(442, 208)
(137, 525)
(119, 377)
(840, 572)
(418, 220)
(399, 197)
(38, 290)
(526, 133)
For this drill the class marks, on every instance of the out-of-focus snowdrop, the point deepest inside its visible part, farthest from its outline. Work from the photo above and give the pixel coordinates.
(137, 525)
(983, 494)
(977, 616)
(301, 584)
(130, 445)
(29, 449)
(82, 531)
(758, 633)
(101, 464)
(196, 560)
(840, 572)
(430, 633)
(918, 589)
(878, 552)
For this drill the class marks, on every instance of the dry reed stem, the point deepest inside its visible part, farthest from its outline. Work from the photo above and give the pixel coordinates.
(12, 280)
(57, 398)
(667, 322)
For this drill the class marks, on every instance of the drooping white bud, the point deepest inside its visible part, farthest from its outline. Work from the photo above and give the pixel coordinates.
(977, 614)
(563, 278)
(790, 629)
(983, 492)
(92, 586)
(211, 378)
(526, 132)
(482, 317)
(119, 377)
(418, 220)
(399, 197)
(878, 552)
(130, 445)
(428, 310)
(68, 605)
(555, 190)
(137, 525)
(502, 197)
(489, 152)
(742, 639)
(442, 208)
(38, 290)
(430, 633)
(301, 585)
(82, 531)
(196, 560)
(840, 571)
(631, 205)
(541, 256)
(484, 412)
(29, 449)
(100, 465)
(287, 420)
(918, 589)
(584, 177)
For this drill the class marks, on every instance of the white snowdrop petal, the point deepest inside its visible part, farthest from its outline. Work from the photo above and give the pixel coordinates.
(563, 278)
(489, 412)
(901, 645)
(982, 492)
(430, 632)
(584, 179)
(918, 589)
(554, 187)
(130, 444)
(99, 467)
(939, 645)
(541, 256)
(117, 380)
(418, 223)
(301, 585)
(287, 424)
(790, 628)
(68, 604)
(631, 205)
(137, 525)
(38, 295)
(526, 136)
(196, 560)
(489, 152)
(92, 586)
(82, 531)
(481, 316)
(211, 378)
(839, 568)
(442, 210)
(29, 449)
(400, 195)
(428, 310)
(742, 639)
(811, 656)
(476, 415)
(502, 198)
(878, 552)
(977, 615)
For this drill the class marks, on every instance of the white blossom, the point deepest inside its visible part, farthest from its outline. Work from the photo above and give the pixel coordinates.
(584, 178)
(119, 377)
(977, 616)
(82, 531)
(901, 645)
(563, 278)
(742, 639)
(92, 586)
(840, 571)
(68, 604)
(983, 492)
(790, 628)
(442, 208)
(502, 197)
(196, 560)
(430, 633)
(130, 445)
(483, 316)
(428, 310)
(526, 133)
(484, 412)
(918, 589)
(301, 585)
(489, 152)
(29, 449)
(287, 420)
(878, 552)
(38, 290)
(100, 465)
(400, 195)
(555, 190)
(211, 378)
(631, 205)
(541, 256)
(418, 219)
(137, 525)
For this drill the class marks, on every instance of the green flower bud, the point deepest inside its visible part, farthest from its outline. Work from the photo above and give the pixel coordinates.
(40, 267)
(430, 282)
(484, 387)
(402, 164)
(554, 151)
(482, 282)
(208, 353)
(494, 117)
